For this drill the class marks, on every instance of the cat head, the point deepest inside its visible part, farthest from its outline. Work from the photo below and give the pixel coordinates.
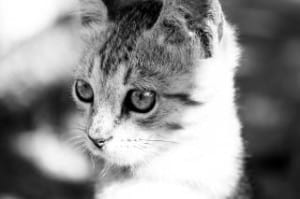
(137, 73)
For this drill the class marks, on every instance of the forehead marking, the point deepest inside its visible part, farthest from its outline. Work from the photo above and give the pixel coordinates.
(183, 98)
(131, 21)
(127, 76)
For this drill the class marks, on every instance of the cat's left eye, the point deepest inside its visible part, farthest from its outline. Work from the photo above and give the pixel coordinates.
(84, 91)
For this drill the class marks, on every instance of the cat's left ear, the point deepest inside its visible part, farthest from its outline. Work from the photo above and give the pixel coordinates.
(203, 18)
(93, 11)
(101, 11)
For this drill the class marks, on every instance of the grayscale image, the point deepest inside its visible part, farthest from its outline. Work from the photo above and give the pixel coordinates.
(144, 99)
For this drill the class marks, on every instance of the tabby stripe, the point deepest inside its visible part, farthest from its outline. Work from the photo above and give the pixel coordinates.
(174, 126)
(183, 98)
(127, 76)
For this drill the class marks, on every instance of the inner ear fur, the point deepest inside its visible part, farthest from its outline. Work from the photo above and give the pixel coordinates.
(108, 10)
(204, 18)
(93, 11)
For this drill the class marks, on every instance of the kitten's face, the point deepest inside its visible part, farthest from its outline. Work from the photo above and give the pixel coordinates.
(134, 84)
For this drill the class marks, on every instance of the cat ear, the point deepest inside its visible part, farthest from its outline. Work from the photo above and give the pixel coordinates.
(99, 11)
(183, 18)
(93, 11)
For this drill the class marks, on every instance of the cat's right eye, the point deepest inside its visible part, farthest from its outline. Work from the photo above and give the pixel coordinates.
(84, 91)
(140, 101)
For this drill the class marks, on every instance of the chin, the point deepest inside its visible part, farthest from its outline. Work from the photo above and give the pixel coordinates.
(122, 157)
(127, 158)
(123, 161)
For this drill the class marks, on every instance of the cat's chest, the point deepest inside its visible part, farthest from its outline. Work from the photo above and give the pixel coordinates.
(141, 189)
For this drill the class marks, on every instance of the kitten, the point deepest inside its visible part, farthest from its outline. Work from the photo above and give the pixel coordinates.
(156, 85)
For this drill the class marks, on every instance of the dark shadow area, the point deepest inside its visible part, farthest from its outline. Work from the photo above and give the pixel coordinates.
(269, 93)
(19, 177)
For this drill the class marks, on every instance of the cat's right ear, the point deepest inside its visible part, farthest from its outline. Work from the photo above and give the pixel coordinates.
(183, 19)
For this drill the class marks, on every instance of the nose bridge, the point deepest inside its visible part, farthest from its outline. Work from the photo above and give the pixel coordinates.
(102, 123)
(107, 112)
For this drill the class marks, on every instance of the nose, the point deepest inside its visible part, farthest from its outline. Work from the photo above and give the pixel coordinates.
(100, 142)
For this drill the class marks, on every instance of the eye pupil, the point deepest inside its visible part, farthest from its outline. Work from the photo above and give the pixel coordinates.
(140, 101)
(84, 91)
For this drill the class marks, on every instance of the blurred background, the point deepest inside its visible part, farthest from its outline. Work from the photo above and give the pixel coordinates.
(39, 47)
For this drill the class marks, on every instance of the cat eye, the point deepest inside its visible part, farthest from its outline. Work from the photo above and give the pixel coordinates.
(140, 101)
(84, 91)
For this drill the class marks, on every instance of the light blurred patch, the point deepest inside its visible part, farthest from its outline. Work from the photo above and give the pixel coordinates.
(22, 19)
(8, 196)
(44, 60)
(53, 156)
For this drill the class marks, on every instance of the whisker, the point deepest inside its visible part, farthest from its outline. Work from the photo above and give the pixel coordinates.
(92, 160)
(83, 126)
(139, 148)
(77, 129)
(105, 169)
(80, 147)
(79, 144)
(142, 146)
(148, 152)
(167, 141)
(75, 139)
